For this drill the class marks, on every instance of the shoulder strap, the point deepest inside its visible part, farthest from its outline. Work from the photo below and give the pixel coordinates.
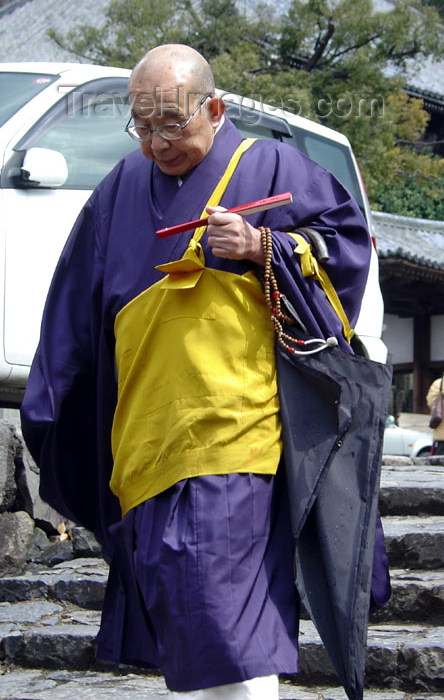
(192, 261)
(311, 268)
(221, 186)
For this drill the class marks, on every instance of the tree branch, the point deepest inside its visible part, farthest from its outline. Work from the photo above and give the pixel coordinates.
(418, 143)
(396, 56)
(355, 47)
(189, 7)
(321, 46)
(417, 175)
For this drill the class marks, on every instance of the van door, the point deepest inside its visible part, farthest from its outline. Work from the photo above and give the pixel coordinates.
(87, 128)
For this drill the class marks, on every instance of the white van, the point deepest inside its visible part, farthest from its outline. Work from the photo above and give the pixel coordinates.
(61, 131)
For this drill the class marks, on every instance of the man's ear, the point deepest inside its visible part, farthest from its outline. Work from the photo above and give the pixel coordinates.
(217, 108)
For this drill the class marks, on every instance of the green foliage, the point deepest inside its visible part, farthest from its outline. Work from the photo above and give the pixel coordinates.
(415, 197)
(413, 179)
(437, 4)
(345, 47)
(394, 125)
(241, 71)
(327, 60)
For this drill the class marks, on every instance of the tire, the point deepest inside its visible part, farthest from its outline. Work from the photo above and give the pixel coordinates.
(425, 452)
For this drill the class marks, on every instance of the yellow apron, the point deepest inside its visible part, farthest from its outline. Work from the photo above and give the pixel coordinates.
(197, 390)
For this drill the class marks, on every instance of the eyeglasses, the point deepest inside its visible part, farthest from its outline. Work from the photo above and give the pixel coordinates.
(170, 132)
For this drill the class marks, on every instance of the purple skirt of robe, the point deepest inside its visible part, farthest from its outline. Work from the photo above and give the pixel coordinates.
(202, 586)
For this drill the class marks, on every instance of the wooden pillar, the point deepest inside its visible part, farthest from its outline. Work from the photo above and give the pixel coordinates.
(421, 359)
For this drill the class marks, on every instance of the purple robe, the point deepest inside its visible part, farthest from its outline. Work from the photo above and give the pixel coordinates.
(110, 258)
(202, 587)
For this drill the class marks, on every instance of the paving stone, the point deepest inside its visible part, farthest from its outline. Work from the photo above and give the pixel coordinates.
(21, 684)
(28, 612)
(77, 686)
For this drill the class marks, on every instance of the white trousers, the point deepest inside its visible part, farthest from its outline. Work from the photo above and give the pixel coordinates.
(262, 688)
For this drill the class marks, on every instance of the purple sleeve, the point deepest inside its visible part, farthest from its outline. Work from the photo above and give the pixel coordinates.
(337, 218)
(60, 419)
(381, 588)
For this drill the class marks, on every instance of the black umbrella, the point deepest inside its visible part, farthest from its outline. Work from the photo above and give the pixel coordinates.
(333, 408)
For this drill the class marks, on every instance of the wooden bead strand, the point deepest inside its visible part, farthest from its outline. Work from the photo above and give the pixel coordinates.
(273, 295)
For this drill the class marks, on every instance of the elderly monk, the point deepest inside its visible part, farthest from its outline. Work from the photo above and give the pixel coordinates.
(152, 406)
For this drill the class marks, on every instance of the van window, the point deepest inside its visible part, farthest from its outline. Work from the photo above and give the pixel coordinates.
(333, 156)
(87, 126)
(17, 89)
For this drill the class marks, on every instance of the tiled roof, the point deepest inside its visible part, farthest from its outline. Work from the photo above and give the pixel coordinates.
(417, 240)
(24, 26)
(426, 76)
(427, 79)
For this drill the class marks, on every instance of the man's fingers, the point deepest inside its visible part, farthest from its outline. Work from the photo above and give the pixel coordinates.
(212, 210)
(230, 236)
(224, 219)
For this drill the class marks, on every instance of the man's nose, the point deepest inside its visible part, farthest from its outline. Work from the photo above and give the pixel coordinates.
(158, 143)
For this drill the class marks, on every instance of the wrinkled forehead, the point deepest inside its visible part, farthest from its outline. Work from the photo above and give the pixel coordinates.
(160, 101)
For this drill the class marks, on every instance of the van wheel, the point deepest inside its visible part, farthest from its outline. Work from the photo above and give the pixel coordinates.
(425, 452)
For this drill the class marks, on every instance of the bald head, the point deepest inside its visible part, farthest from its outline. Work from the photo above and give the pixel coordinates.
(174, 64)
(170, 87)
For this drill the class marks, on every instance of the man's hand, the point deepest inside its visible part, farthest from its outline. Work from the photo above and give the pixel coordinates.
(230, 236)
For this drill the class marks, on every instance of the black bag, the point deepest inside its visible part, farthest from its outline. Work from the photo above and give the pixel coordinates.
(436, 413)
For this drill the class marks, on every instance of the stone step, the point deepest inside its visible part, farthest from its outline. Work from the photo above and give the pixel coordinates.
(407, 657)
(417, 462)
(415, 542)
(45, 634)
(79, 581)
(417, 596)
(410, 490)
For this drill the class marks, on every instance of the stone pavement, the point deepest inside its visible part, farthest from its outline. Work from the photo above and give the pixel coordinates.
(22, 684)
(49, 616)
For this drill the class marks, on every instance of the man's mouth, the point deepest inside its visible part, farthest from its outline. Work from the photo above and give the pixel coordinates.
(170, 162)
